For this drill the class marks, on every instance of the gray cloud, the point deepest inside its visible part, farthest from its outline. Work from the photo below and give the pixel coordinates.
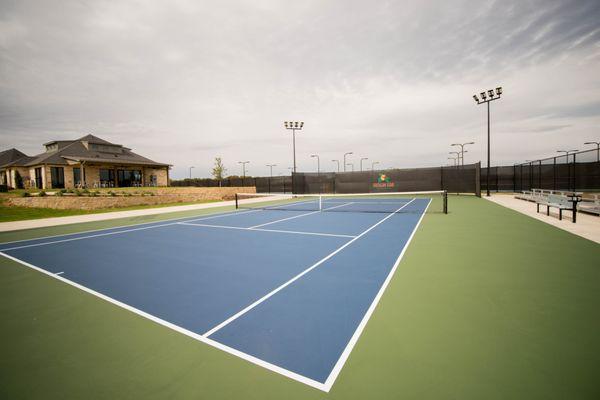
(389, 80)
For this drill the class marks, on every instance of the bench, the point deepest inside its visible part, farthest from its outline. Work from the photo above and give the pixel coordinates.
(590, 204)
(560, 202)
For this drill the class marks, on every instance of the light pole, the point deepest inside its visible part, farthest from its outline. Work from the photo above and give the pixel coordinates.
(294, 126)
(453, 159)
(346, 154)
(352, 165)
(373, 165)
(191, 172)
(457, 156)
(492, 96)
(318, 162)
(567, 152)
(462, 150)
(271, 166)
(361, 160)
(243, 168)
(338, 164)
(597, 149)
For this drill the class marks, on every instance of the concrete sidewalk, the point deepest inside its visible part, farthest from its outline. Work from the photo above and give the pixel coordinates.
(587, 226)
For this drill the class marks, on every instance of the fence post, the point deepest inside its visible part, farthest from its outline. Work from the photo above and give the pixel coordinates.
(554, 175)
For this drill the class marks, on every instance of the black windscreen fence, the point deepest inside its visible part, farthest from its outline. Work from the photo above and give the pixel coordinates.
(464, 179)
(577, 172)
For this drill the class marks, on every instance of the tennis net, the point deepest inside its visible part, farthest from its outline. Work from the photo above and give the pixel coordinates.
(391, 202)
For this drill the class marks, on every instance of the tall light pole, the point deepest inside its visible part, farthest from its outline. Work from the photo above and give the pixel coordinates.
(271, 166)
(191, 172)
(352, 165)
(347, 154)
(457, 156)
(453, 159)
(462, 150)
(338, 164)
(567, 152)
(597, 149)
(318, 162)
(294, 126)
(243, 168)
(373, 165)
(361, 160)
(484, 99)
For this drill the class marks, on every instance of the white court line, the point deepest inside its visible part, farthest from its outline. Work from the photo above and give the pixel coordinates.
(266, 230)
(225, 214)
(354, 339)
(117, 232)
(300, 275)
(296, 216)
(200, 338)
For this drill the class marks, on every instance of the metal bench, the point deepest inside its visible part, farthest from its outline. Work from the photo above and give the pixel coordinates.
(561, 202)
(590, 204)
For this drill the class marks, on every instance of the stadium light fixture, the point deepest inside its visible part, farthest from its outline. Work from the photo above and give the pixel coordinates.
(191, 172)
(352, 165)
(373, 165)
(271, 167)
(293, 126)
(487, 101)
(347, 154)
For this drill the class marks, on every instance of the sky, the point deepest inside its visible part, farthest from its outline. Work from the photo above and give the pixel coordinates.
(183, 82)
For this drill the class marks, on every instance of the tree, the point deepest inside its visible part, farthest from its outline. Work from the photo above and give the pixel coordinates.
(218, 170)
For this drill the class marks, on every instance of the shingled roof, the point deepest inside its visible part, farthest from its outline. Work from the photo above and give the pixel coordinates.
(79, 150)
(10, 156)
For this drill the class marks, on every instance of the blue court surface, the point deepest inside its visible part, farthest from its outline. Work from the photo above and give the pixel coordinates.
(288, 290)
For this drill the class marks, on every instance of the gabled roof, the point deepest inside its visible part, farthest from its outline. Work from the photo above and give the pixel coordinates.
(10, 156)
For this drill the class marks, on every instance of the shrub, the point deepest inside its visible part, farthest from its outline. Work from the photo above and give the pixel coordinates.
(59, 193)
(18, 180)
(93, 194)
(42, 193)
(77, 192)
(25, 194)
(85, 190)
(111, 193)
(63, 191)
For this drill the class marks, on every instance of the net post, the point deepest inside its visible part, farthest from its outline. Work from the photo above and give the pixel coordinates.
(445, 195)
(320, 202)
(236, 201)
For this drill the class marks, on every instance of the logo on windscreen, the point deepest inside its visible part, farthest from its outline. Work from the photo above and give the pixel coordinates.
(383, 181)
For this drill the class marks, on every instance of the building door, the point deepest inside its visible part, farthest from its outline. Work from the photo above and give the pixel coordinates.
(39, 182)
(58, 177)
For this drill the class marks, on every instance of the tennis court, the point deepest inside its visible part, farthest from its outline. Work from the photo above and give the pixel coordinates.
(285, 284)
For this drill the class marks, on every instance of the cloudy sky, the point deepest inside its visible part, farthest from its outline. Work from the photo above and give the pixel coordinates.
(185, 81)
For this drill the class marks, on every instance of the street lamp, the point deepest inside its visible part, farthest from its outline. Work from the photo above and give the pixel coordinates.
(373, 165)
(191, 172)
(318, 162)
(346, 154)
(294, 126)
(484, 99)
(457, 156)
(453, 159)
(350, 164)
(338, 164)
(361, 160)
(597, 149)
(271, 166)
(567, 152)
(243, 168)
(462, 150)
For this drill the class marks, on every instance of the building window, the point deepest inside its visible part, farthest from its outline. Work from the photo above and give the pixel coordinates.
(129, 178)
(107, 178)
(58, 177)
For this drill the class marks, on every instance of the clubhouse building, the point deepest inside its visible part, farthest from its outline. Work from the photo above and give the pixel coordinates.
(87, 162)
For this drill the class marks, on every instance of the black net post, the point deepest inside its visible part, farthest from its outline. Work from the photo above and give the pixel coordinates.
(445, 194)
(236, 201)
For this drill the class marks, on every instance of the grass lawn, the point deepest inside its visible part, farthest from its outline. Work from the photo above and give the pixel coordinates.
(486, 304)
(14, 213)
